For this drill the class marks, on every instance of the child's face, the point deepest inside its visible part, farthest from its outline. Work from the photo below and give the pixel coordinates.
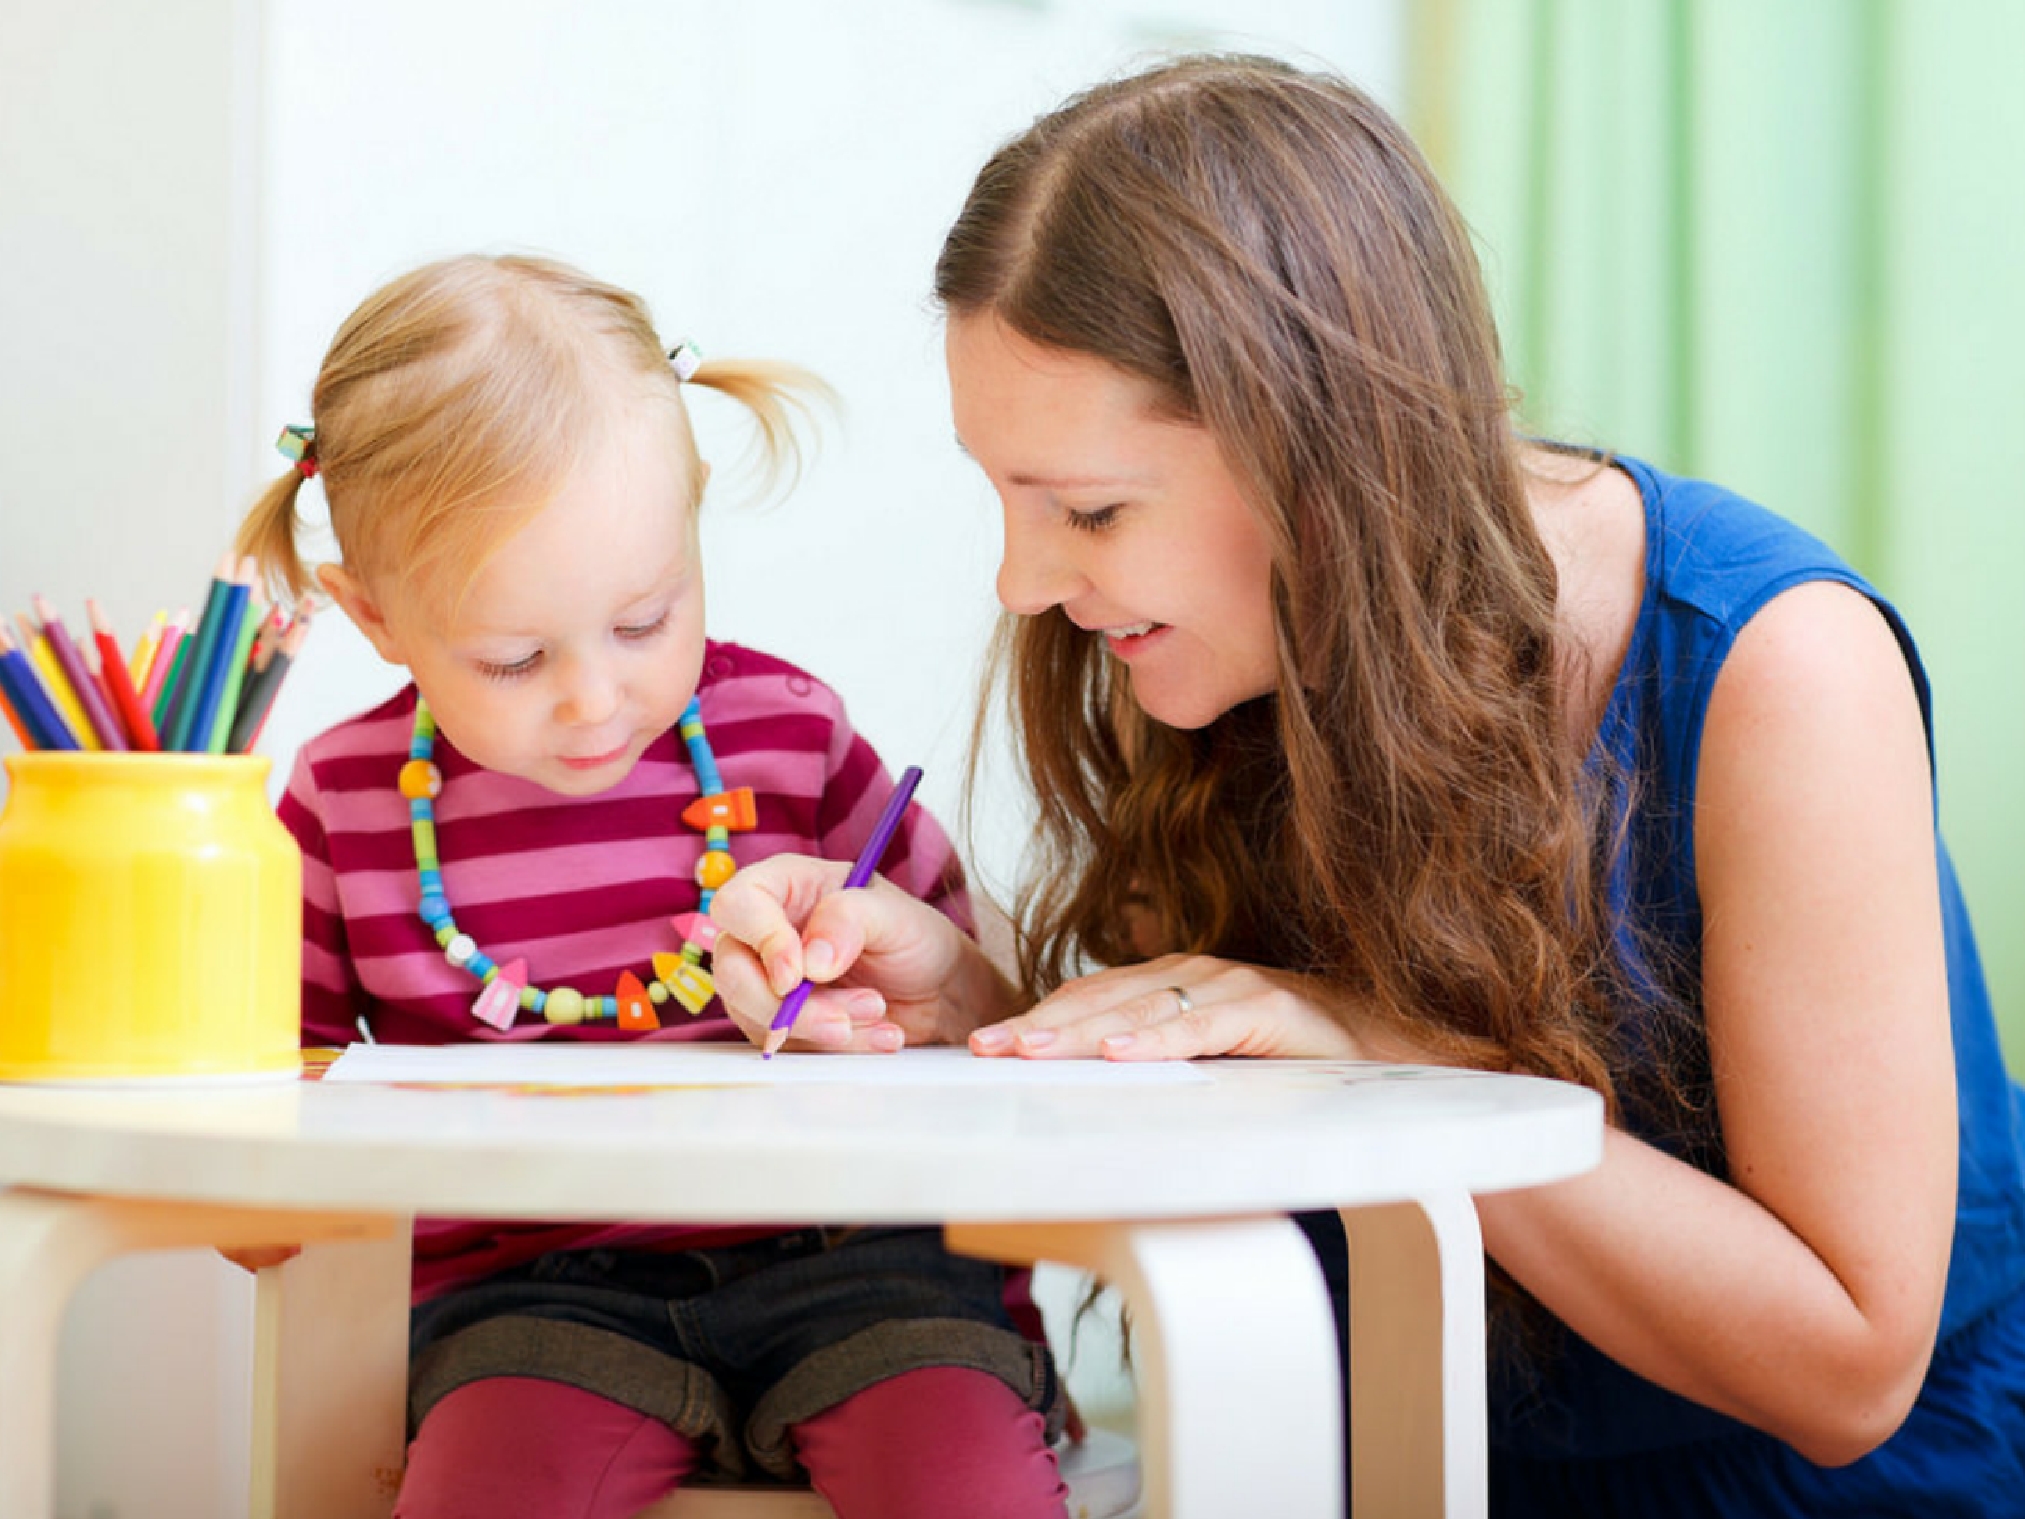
(581, 639)
(1130, 523)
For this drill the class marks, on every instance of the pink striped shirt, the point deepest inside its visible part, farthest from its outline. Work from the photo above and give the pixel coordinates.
(582, 888)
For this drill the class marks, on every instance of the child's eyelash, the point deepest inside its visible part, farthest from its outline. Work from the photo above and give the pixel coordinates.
(513, 671)
(645, 629)
(1094, 521)
(521, 667)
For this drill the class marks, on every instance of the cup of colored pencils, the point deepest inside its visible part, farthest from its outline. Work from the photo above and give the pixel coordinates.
(196, 686)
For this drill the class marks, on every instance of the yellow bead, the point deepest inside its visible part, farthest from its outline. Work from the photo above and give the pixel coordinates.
(693, 987)
(714, 869)
(565, 1005)
(419, 779)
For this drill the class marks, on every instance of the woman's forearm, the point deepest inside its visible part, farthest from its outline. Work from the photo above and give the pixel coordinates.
(1692, 1284)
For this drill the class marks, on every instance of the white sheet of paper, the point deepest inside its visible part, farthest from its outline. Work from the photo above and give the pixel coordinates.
(656, 1063)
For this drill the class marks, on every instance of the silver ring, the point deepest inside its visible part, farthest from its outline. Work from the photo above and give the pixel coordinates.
(1182, 1001)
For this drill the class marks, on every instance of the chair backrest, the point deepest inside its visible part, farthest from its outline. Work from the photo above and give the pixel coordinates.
(1101, 1470)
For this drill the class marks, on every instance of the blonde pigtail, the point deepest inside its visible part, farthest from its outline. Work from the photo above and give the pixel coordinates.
(782, 399)
(268, 535)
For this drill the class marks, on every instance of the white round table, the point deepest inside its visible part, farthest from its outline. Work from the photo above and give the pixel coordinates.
(1171, 1184)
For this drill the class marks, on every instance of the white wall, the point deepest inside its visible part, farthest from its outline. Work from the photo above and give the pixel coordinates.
(193, 196)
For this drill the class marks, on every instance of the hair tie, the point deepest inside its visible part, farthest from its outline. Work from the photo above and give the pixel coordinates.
(685, 358)
(298, 446)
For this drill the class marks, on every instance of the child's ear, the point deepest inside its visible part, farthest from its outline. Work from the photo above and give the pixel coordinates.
(357, 603)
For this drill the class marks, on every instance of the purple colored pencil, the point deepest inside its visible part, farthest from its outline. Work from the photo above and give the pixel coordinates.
(861, 875)
(108, 727)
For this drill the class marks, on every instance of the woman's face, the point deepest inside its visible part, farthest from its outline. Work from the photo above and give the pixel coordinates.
(1131, 523)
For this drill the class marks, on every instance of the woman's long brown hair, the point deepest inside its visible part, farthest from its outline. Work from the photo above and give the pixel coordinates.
(1406, 817)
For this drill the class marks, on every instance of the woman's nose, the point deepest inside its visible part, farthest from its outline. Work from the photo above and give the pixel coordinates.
(1032, 576)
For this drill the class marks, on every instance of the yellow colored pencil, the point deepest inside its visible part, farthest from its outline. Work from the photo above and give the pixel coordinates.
(144, 650)
(43, 658)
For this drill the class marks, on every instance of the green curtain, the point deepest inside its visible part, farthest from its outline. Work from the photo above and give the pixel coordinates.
(1781, 244)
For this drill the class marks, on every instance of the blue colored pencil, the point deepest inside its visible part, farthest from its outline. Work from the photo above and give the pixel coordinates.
(217, 671)
(30, 701)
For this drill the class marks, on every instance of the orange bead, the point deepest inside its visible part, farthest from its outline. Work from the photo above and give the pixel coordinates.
(420, 779)
(714, 869)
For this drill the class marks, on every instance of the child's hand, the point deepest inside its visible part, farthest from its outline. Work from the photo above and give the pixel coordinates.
(888, 970)
(1180, 1007)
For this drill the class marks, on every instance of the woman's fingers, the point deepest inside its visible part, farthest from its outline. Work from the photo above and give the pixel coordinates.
(1120, 1014)
(1179, 1007)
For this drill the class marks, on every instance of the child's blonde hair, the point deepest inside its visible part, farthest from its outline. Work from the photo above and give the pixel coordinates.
(457, 398)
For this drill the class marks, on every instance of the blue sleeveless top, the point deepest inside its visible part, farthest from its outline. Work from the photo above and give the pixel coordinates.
(1580, 1434)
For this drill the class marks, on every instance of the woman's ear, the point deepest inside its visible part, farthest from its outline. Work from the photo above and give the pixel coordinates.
(357, 603)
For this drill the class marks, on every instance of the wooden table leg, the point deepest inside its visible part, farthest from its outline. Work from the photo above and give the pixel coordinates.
(1418, 1404)
(49, 1243)
(1240, 1403)
(330, 1381)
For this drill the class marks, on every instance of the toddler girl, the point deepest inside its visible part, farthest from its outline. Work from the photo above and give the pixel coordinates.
(524, 843)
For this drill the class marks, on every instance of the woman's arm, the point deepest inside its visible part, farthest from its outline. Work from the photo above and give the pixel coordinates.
(1802, 1296)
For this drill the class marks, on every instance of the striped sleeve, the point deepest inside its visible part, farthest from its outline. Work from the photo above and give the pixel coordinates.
(331, 996)
(921, 860)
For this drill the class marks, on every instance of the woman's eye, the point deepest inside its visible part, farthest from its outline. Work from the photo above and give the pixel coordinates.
(514, 671)
(1094, 521)
(645, 629)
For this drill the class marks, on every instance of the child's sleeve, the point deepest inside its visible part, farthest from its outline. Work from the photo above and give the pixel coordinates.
(920, 859)
(332, 998)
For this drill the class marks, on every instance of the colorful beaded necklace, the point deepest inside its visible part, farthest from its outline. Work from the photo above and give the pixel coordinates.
(719, 813)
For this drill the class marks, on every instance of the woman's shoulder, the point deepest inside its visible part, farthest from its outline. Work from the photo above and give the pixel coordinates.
(1722, 553)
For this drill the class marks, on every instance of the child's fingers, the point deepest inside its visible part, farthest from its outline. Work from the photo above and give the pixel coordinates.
(761, 905)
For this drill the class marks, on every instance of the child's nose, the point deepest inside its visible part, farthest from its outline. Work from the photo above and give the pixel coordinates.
(589, 693)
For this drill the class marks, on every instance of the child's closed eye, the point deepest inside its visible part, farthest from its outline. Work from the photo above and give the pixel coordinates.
(644, 630)
(493, 670)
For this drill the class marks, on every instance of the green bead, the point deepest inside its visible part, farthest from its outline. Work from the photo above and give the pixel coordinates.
(656, 992)
(565, 1005)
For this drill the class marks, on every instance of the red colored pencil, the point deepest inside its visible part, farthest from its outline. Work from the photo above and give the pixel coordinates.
(113, 668)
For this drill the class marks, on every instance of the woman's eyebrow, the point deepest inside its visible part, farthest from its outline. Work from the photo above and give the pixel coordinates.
(1064, 482)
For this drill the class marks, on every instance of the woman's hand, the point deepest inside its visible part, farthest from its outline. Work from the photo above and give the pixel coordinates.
(888, 970)
(1179, 1007)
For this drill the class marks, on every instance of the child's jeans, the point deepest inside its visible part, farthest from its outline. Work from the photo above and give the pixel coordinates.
(707, 1363)
(930, 1444)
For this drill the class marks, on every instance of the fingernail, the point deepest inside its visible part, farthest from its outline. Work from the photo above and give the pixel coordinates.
(994, 1037)
(888, 1038)
(818, 960)
(1117, 1044)
(1037, 1038)
(865, 1006)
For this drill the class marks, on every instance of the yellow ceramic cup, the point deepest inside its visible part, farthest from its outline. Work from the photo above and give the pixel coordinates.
(150, 920)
